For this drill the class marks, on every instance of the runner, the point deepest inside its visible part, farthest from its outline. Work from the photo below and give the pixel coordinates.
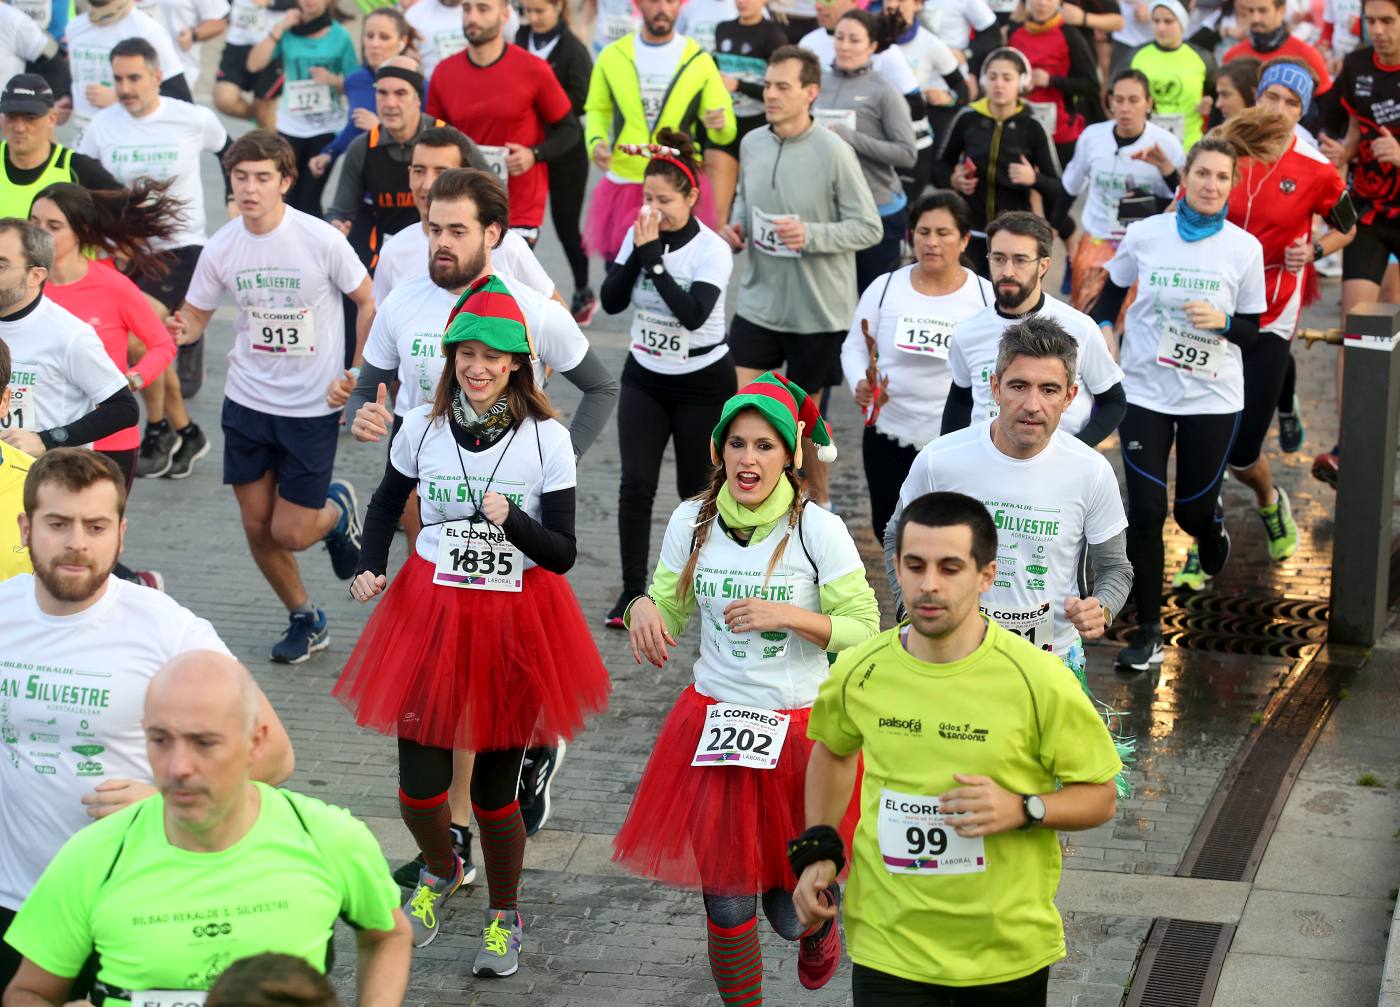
(441, 24)
(942, 76)
(1065, 89)
(285, 271)
(1182, 372)
(510, 105)
(88, 643)
(700, 20)
(24, 43)
(316, 55)
(1044, 765)
(1021, 245)
(238, 92)
(863, 109)
(999, 155)
(14, 466)
(549, 35)
(90, 38)
(480, 616)
(1235, 85)
(778, 585)
(616, 19)
(145, 136)
(123, 886)
(1182, 75)
(191, 23)
(672, 271)
(897, 349)
(1130, 167)
(1271, 37)
(803, 210)
(675, 85)
(31, 157)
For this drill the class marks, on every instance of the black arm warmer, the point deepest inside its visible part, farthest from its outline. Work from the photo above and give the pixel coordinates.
(690, 307)
(549, 542)
(1243, 330)
(918, 108)
(1110, 302)
(560, 137)
(228, 182)
(616, 292)
(112, 414)
(957, 411)
(177, 87)
(957, 85)
(1110, 406)
(382, 519)
(752, 88)
(820, 842)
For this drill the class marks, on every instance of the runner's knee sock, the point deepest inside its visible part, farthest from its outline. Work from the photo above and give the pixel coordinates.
(429, 819)
(502, 835)
(736, 962)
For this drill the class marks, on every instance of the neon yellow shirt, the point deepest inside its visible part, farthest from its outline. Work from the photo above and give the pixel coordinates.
(1007, 711)
(14, 466)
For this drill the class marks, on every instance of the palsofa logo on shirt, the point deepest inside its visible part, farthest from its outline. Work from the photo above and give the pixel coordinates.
(912, 727)
(962, 732)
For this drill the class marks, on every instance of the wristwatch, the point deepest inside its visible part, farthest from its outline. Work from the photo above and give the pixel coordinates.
(1318, 253)
(1034, 808)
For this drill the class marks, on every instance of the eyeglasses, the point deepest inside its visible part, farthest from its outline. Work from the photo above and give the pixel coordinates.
(997, 260)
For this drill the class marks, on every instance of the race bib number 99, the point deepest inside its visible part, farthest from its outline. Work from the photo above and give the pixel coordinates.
(282, 330)
(741, 736)
(917, 838)
(478, 556)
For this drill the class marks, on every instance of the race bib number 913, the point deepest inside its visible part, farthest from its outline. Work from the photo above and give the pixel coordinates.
(282, 330)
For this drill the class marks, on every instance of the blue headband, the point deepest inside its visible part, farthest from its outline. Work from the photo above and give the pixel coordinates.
(1291, 76)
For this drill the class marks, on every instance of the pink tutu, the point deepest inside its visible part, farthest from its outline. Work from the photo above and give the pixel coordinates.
(614, 210)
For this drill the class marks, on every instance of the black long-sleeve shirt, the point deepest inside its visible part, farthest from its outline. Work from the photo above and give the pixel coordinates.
(690, 307)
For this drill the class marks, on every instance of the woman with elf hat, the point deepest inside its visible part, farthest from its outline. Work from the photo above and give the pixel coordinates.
(480, 642)
(777, 587)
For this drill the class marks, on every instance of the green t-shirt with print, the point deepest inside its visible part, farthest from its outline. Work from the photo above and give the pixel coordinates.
(1008, 711)
(165, 918)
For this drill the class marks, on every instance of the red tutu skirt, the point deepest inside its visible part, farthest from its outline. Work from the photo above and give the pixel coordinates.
(614, 210)
(719, 829)
(483, 670)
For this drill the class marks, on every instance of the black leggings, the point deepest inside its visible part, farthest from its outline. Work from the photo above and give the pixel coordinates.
(1266, 363)
(871, 988)
(887, 464)
(305, 193)
(730, 911)
(1202, 445)
(568, 184)
(653, 409)
(426, 771)
(1290, 385)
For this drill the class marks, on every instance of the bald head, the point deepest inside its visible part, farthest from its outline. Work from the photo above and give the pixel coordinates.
(406, 62)
(204, 682)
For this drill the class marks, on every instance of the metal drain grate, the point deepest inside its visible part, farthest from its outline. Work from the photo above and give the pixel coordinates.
(1180, 964)
(1266, 626)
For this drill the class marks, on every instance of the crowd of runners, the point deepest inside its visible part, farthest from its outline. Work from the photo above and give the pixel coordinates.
(887, 186)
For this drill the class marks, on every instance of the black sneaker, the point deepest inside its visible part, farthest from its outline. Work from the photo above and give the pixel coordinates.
(1290, 429)
(615, 614)
(193, 446)
(1215, 552)
(536, 776)
(343, 541)
(407, 875)
(1144, 650)
(189, 368)
(158, 447)
(583, 306)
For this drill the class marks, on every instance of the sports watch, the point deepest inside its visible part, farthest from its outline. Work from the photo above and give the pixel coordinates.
(1034, 808)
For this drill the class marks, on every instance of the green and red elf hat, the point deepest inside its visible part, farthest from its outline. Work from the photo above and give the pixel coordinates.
(785, 405)
(488, 312)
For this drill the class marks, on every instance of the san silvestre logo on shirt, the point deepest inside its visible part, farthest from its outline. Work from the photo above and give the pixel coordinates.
(40, 691)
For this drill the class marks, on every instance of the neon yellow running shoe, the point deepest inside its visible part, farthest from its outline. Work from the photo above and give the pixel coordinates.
(1191, 577)
(423, 905)
(1280, 527)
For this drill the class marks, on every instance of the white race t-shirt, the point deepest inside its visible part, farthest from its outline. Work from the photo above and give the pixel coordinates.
(705, 258)
(656, 68)
(699, 17)
(954, 21)
(178, 15)
(1225, 270)
(164, 144)
(405, 257)
(72, 691)
(525, 463)
(775, 670)
(1045, 508)
(616, 19)
(21, 40)
(1109, 171)
(59, 371)
(912, 334)
(301, 266)
(90, 54)
(1134, 32)
(440, 31)
(889, 64)
(930, 59)
(974, 356)
(248, 23)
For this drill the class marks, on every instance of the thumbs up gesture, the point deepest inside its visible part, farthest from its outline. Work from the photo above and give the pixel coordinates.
(1021, 172)
(339, 391)
(1386, 148)
(373, 419)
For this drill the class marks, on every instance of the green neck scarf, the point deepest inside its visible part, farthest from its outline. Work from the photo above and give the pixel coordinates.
(489, 425)
(745, 521)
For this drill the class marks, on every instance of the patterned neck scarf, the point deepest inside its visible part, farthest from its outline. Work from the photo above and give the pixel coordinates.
(487, 427)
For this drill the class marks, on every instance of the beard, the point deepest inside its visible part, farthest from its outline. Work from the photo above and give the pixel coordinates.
(1010, 298)
(11, 296)
(477, 36)
(71, 588)
(460, 273)
(660, 24)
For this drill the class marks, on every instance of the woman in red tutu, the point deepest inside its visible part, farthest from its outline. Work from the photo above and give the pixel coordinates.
(778, 586)
(480, 642)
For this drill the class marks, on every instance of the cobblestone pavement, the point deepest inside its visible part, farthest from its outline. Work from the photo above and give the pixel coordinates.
(596, 936)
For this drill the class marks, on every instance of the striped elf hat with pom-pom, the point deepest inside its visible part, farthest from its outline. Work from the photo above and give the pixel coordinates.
(488, 312)
(783, 403)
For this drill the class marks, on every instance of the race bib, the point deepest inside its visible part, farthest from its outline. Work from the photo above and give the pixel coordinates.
(1035, 625)
(306, 97)
(496, 161)
(660, 336)
(22, 414)
(765, 235)
(282, 330)
(741, 736)
(168, 998)
(449, 42)
(477, 555)
(1189, 349)
(40, 11)
(247, 17)
(1174, 123)
(916, 838)
(616, 26)
(835, 117)
(923, 336)
(1047, 113)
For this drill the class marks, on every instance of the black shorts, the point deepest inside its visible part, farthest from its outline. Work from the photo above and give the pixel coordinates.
(812, 359)
(299, 450)
(1367, 257)
(745, 126)
(870, 987)
(233, 68)
(170, 288)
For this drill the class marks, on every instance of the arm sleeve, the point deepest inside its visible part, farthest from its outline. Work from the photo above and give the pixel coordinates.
(91, 174)
(1047, 164)
(1243, 329)
(367, 386)
(600, 391)
(113, 414)
(849, 602)
(1110, 406)
(950, 151)
(616, 292)
(574, 70)
(957, 410)
(177, 87)
(1113, 574)
(382, 516)
(350, 190)
(1082, 82)
(560, 136)
(1110, 302)
(857, 224)
(359, 89)
(550, 542)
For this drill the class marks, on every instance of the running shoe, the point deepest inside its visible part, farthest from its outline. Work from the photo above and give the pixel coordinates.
(584, 306)
(536, 777)
(193, 446)
(1290, 428)
(307, 633)
(1190, 577)
(1327, 467)
(1280, 527)
(151, 579)
(343, 541)
(407, 875)
(616, 613)
(1144, 650)
(500, 944)
(158, 446)
(1215, 552)
(819, 956)
(423, 905)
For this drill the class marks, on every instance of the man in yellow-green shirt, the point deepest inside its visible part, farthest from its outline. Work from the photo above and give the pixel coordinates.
(14, 466)
(977, 749)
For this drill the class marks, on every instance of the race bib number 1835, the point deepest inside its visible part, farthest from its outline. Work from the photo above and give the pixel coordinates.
(477, 555)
